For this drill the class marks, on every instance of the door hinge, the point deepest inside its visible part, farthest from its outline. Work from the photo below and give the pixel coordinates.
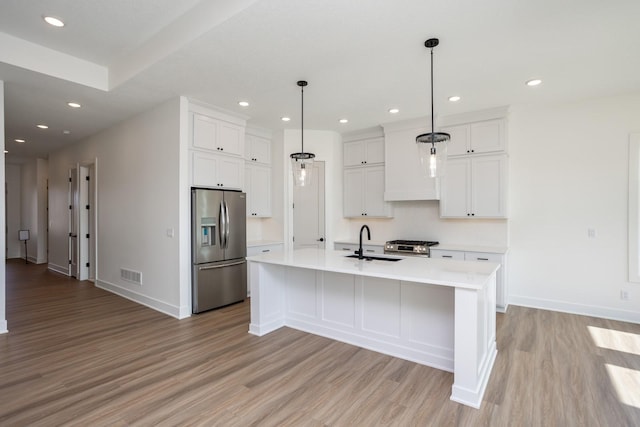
(87, 206)
(293, 205)
(70, 180)
(69, 262)
(70, 234)
(87, 235)
(87, 178)
(87, 264)
(293, 239)
(70, 207)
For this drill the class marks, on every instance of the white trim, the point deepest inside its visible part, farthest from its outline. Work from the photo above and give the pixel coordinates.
(634, 208)
(3, 327)
(572, 308)
(58, 268)
(368, 133)
(153, 303)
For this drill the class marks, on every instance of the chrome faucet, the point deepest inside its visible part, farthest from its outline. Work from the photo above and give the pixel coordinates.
(360, 251)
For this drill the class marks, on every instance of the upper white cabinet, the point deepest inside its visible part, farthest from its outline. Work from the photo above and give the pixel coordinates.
(211, 170)
(217, 148)
(363, 192)
(258, 189)
(364, 152)
(476, 138)
(405, 178)
(217, 135)
(257, 149)
(475, 187)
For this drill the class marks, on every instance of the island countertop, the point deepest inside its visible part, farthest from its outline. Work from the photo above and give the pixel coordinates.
(461, 274)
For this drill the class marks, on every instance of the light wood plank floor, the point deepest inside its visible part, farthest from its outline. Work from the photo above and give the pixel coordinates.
(78, 355)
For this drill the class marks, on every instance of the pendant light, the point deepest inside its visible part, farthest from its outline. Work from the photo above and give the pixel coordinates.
(302, 163)
(433, 158)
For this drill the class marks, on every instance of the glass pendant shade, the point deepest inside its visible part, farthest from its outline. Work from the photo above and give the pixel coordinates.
(302, 163)
(302, 167)
(432, 146)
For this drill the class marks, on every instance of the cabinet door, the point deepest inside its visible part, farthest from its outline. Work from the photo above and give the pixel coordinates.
(204, 170)
(259, 149)
(352, 192)
(259, 190)
(231, 172)
(501, 283)
(373, 192)
(454, 202)
(459, 143)
(205, 132)
(230, 139)
(488, 136)
(354, 154)
(374, 151)
(488, 178)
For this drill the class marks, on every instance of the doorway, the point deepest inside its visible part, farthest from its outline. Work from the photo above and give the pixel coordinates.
(308, 211)
(82, 222)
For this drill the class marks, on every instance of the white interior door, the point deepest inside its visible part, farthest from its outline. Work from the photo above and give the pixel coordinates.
(73, 222)
(308, 211)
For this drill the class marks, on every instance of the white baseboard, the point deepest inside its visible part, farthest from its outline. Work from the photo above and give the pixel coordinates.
(161, 306)
(3, 326)
(58, 269)
(573, 308)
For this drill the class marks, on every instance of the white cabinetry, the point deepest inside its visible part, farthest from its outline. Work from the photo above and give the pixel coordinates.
(476, 138)
(257, 149)
(258, 189)
(352, 247)
(405, 179)
(211, 170)
(213, 134)
(364, 152)
(216, 150)
(363, 192)
(475, 187)
(501, 277)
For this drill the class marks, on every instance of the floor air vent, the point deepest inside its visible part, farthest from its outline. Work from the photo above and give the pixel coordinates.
(131, 276)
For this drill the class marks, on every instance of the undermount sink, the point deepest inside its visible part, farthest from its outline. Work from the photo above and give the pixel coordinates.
(371, 258)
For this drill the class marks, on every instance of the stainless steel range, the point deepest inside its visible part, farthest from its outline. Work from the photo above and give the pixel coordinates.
(409, 247)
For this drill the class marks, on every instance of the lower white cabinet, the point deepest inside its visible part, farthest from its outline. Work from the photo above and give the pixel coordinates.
(501, 276)
(258, 189)
(261, 249)
(352, 247)
(211, 170)
(475, 187)
(364, 192)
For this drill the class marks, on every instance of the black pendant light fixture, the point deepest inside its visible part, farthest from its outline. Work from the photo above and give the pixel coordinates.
(433, 158)
(302, 163)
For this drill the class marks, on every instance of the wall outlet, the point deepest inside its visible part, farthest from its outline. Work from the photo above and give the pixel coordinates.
(624, 295)
(170, 232)
(591, 232)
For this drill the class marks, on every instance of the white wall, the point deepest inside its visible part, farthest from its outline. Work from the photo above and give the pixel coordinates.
(139, 197)
(568, 173)
(13, 178)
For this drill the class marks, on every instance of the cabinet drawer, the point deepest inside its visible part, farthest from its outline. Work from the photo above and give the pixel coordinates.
(439, 253)
(482, 256)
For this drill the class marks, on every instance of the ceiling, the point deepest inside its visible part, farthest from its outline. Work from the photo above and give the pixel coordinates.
(360, 57)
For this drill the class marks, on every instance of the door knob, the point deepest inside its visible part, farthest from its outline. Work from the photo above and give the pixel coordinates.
(321, 239)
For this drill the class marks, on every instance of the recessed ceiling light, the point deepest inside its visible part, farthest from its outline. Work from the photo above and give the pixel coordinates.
(285, 119)
(344, 120)
(74, 105)
(243, 103)
(54, 21)
(454, 98)
(43, 126)
(19, 141)
(534, 82)
(66, 132)
(394, 110)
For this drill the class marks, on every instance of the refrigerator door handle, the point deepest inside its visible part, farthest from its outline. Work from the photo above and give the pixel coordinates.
(223, 225)
(226, 213)
(221, 265)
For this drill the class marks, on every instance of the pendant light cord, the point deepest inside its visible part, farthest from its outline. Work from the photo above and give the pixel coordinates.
(302, 117)
(432, 127)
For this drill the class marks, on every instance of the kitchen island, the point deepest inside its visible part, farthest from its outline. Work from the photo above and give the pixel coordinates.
(438, 313)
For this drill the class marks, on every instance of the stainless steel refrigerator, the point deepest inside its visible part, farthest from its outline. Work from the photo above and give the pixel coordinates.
(219, 248)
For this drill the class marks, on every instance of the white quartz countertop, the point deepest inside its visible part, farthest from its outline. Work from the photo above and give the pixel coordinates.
(443, 272)
(253, 243)
(365, 242)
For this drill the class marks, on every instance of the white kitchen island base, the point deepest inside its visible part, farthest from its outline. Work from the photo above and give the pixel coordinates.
(371, 304)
